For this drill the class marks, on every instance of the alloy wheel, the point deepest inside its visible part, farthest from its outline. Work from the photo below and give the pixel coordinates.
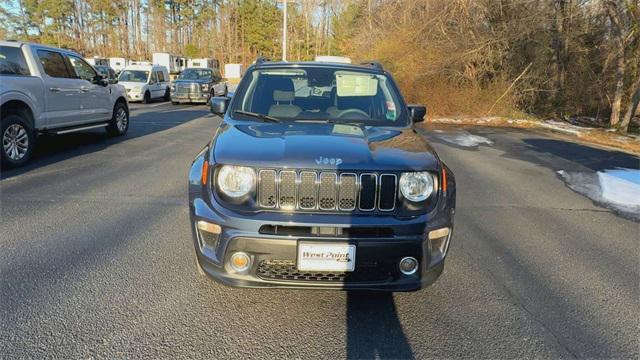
(15, 141)
(121, 120)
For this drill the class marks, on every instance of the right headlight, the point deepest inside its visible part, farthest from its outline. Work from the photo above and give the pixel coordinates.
(416, 186)
(235, 181)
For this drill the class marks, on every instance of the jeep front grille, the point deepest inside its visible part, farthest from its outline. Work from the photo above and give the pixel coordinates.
(326, 190)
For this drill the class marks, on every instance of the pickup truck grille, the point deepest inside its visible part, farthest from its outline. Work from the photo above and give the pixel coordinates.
(187, 88)
(309, 190)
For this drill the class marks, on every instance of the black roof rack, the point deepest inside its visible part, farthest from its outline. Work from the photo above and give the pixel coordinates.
(262, 59)
(373, 64)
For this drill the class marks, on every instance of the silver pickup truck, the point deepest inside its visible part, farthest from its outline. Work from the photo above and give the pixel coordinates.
(50, 90)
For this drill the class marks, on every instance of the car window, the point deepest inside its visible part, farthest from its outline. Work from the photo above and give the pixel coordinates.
(321, 94)
(12, 61)
(134, 76)
(154, 77)
(161, 76)
(83, 70)
(53, 64)
(196, 74)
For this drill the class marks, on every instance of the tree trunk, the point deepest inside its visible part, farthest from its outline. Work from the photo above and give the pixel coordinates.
(560, 48)
(616, 32)
(633, 106)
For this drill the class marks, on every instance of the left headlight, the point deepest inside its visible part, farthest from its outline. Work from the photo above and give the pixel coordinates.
(416, 186)
(204, 87)
(236, 181)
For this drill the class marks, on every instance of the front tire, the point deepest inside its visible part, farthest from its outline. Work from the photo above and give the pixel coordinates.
(146, 98)
(167, 95)
(119, 124)
(18, 139)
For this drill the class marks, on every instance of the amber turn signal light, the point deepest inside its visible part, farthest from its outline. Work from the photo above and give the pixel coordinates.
(437, 234)
(444, 180)
(209, 227)
(205, 172)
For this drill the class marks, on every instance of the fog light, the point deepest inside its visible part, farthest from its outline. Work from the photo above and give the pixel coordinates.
(240, 262)
(408, 265)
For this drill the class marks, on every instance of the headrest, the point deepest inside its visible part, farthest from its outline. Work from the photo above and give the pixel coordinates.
(279, 95)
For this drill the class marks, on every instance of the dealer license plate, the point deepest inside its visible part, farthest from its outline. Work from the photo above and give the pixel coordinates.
(326, 257)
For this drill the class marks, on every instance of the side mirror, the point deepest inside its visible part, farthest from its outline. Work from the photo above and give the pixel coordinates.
(100, 80)
(417, 112)
(219, 105)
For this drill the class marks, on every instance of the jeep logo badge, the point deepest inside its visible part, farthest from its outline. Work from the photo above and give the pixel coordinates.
(328, 161)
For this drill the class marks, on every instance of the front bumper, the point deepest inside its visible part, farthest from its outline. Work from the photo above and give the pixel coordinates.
(377, 257)
(134, 96)
(190, 97)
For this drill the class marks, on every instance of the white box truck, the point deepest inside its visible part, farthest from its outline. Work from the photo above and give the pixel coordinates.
(233, 71)
(170, 61)
(98, 61)
(117, 63)
(203, 63)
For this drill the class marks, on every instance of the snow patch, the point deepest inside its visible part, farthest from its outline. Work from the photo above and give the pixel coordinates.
(463, 138)
(616, 189)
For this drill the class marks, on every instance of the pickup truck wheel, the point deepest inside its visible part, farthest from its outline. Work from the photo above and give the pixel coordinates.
(17, 140)
(146, 98)
(119, 124)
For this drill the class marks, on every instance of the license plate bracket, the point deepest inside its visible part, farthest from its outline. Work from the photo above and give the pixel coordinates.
(325, 256)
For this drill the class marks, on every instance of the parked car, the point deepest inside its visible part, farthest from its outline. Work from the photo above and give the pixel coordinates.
(107, 73)
(55, 91)
(316, 178)
(145, 82)
(198, 85)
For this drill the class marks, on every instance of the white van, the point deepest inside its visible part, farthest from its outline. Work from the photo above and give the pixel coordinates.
(145, 82)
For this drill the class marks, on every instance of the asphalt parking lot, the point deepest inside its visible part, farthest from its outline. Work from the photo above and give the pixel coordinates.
(96, 259)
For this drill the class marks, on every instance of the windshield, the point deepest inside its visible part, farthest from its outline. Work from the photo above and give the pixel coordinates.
(195, 74)
(134, 76)
(320, 94)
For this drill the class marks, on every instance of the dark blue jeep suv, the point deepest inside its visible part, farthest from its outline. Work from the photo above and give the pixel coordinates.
(316, 178)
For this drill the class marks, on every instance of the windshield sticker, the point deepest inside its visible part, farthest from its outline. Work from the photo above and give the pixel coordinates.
(356, 84)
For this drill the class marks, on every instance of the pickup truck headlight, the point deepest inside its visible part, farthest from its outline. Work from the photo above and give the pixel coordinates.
(204, 87)
(236, 181)
(172, 87)
(416, 186)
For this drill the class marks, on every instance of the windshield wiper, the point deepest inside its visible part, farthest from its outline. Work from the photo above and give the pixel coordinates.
(330, 121)
(262, 117)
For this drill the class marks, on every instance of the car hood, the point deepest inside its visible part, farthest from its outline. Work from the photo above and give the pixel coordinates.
(131, 84)
(323, 146)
